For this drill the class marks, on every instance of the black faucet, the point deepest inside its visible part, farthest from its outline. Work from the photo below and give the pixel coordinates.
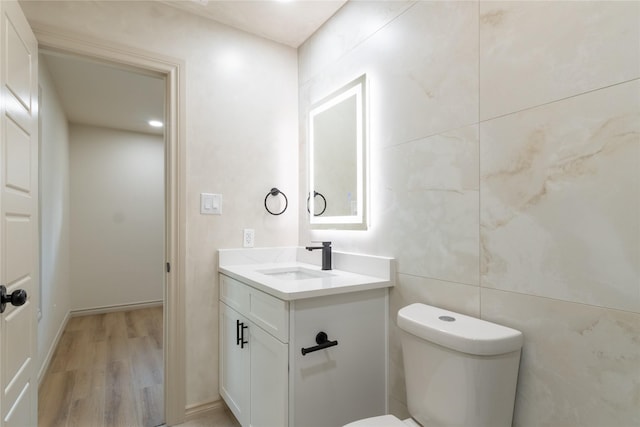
(326, 254)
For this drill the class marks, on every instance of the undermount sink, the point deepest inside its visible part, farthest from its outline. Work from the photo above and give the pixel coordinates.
(294, 273)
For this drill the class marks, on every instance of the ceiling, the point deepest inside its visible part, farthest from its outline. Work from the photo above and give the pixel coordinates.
(104, 95)
(287, 22)
(99, 94)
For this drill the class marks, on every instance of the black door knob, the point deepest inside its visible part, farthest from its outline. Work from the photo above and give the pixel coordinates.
(16, 298)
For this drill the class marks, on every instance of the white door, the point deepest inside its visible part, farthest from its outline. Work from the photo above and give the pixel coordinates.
(18, 215)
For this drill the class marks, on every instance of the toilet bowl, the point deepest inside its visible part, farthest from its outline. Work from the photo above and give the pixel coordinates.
(459, 370)
(384, 421)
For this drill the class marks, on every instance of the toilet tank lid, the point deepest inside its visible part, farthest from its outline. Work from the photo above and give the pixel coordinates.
(457, 331)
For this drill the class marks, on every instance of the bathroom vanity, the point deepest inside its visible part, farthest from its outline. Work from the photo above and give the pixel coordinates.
(300, 346)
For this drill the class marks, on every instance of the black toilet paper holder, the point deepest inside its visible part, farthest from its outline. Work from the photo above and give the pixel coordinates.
(323, 342)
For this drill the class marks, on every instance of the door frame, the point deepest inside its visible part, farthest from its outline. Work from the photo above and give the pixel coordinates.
(54, 39)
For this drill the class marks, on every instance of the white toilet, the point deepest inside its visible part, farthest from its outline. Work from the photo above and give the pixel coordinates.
(459, 370)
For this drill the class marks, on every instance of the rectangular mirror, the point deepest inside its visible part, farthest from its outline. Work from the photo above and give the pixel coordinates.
(337, 196)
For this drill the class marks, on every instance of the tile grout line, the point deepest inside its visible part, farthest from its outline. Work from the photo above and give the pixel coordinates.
(533, 107)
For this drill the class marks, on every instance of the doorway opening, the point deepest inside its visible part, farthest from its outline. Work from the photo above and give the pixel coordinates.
(112, 194)
(168, 71)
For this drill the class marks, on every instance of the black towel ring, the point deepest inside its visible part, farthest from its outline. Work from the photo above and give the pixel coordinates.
(274, 192)
(315, 193)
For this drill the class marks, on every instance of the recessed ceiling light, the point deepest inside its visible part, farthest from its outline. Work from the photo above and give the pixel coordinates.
(155, 123)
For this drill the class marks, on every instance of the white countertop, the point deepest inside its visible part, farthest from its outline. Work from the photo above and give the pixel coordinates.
(338, 281)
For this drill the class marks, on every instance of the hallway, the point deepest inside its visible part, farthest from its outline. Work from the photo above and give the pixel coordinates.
(106, 371)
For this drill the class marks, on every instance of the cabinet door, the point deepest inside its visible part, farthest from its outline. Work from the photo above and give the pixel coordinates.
(335, 386)
(234, 363)
(269, 380)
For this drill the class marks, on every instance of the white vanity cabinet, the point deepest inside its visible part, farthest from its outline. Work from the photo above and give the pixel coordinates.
(253, 354)
(267, 381)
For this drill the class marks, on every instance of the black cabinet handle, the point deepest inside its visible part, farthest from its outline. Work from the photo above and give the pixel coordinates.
(240, 327)
(238, 339)
(242, 340)
(323, 342)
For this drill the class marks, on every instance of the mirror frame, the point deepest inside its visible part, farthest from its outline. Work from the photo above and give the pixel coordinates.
(360, 221)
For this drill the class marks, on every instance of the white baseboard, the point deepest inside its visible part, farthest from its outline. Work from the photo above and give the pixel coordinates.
(114, 308)
(193, 412)
(52, 348)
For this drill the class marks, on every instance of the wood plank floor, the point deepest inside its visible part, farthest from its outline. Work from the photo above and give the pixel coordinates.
(106, 371)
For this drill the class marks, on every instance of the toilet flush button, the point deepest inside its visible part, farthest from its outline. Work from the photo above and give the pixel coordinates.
(447, 318)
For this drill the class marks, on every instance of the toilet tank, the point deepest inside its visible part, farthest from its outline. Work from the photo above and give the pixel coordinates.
(459, 370)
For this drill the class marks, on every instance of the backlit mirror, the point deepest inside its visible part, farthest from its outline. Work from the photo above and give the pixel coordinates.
(337, 196)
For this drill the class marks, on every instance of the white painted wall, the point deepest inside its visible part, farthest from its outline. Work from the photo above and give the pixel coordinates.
(505, 166)
(241, 140)
(117, 208)
(54, 216)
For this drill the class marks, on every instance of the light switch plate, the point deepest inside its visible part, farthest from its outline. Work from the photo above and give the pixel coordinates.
(210, 204)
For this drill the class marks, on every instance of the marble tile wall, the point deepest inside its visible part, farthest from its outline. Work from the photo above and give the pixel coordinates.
(505, 155)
